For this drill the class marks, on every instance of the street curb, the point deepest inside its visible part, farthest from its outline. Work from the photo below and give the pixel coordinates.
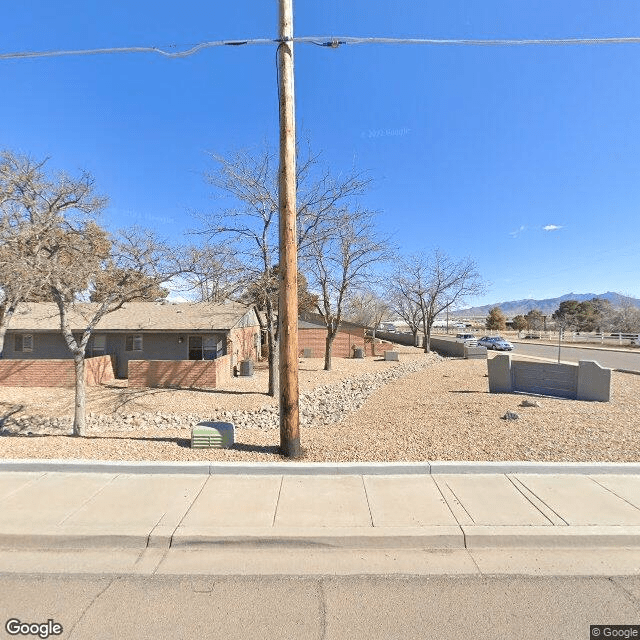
(445, 537)
(550, 537)
(72, 541)
(428, 537)
(318, 468)
(104, 466)
(524, 466)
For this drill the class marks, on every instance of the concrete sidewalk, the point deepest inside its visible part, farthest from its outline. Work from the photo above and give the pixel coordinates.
(61, 510)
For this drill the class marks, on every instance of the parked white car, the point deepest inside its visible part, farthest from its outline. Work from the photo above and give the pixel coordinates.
(468, 338)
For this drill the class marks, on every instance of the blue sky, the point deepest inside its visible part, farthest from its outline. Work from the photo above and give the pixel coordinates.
(525, 159)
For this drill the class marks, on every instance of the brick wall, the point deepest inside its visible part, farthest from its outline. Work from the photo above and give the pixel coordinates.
(99, 370)
(315, 339)
(242, 343)
(53, 373)
(184, 374)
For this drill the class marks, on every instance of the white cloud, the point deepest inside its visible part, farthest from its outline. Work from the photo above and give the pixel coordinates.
(552, 227)
(517, 232)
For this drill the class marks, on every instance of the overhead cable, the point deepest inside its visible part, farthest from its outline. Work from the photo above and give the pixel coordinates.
(325, 41)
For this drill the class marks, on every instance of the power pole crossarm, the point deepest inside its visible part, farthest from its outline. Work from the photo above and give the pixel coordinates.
(288, 304)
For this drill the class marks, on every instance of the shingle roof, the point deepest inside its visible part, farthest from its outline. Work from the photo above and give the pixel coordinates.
(151, 316)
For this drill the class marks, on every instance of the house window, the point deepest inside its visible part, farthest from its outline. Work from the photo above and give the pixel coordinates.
(195, 347)
(209, 348)
(99, 345)
(23, 343)
(133, 343)
(205, 347)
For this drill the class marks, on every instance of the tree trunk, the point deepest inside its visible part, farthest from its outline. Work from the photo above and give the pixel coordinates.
(3, 331)
(327, 352)
(80, 405)
(274, 377)
(5, 319)
(427, 336)
(373, 343)
(415, 338)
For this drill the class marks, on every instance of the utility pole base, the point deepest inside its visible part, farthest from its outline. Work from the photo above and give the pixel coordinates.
(291, 448)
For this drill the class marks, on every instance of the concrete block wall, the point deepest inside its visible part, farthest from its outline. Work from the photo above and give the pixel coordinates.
(399, 338)
(53, 372)
(586, 380)
(447, 347)
(183, 374)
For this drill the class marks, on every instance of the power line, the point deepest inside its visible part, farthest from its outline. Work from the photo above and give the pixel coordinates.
(470, 42)
(110, 50)
(324, 41)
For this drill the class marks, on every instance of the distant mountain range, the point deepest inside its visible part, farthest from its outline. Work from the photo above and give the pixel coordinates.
(547, 306)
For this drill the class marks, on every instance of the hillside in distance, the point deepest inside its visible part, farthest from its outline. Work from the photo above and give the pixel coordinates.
(547, 306)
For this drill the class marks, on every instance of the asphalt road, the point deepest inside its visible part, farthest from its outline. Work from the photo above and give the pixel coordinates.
(605, 357)
(326, 608)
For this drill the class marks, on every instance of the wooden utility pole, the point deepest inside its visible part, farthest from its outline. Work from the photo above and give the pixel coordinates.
(288, 306)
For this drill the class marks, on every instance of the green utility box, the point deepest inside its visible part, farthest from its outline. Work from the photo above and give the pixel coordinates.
(213, 435)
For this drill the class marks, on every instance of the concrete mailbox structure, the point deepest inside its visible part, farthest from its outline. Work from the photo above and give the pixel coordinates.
(475, 353)
(586, 380)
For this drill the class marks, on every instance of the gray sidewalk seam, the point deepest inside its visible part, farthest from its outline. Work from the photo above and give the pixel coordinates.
(615, 494)
(186, 513)
(275, 511)
(527, 493)
(26, 484)
(106, 484)
(366, 497)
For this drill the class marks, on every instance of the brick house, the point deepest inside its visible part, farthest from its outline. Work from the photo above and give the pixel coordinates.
(141, 332)
(312, 334)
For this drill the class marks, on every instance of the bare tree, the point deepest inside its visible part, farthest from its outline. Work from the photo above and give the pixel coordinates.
(626, 316)
(341, 261)
(34, 209)
(130, 267)
(213, 273)
(431, 283)
(250, 225)
(404, 304)
(369, 309)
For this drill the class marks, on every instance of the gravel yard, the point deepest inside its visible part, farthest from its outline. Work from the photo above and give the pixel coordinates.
(442, 411)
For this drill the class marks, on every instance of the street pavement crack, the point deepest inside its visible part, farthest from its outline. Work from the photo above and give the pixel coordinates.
(618, 583)
(86, 609)
(322, 609)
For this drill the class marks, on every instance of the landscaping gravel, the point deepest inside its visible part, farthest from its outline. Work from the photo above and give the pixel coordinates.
(422, 408)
